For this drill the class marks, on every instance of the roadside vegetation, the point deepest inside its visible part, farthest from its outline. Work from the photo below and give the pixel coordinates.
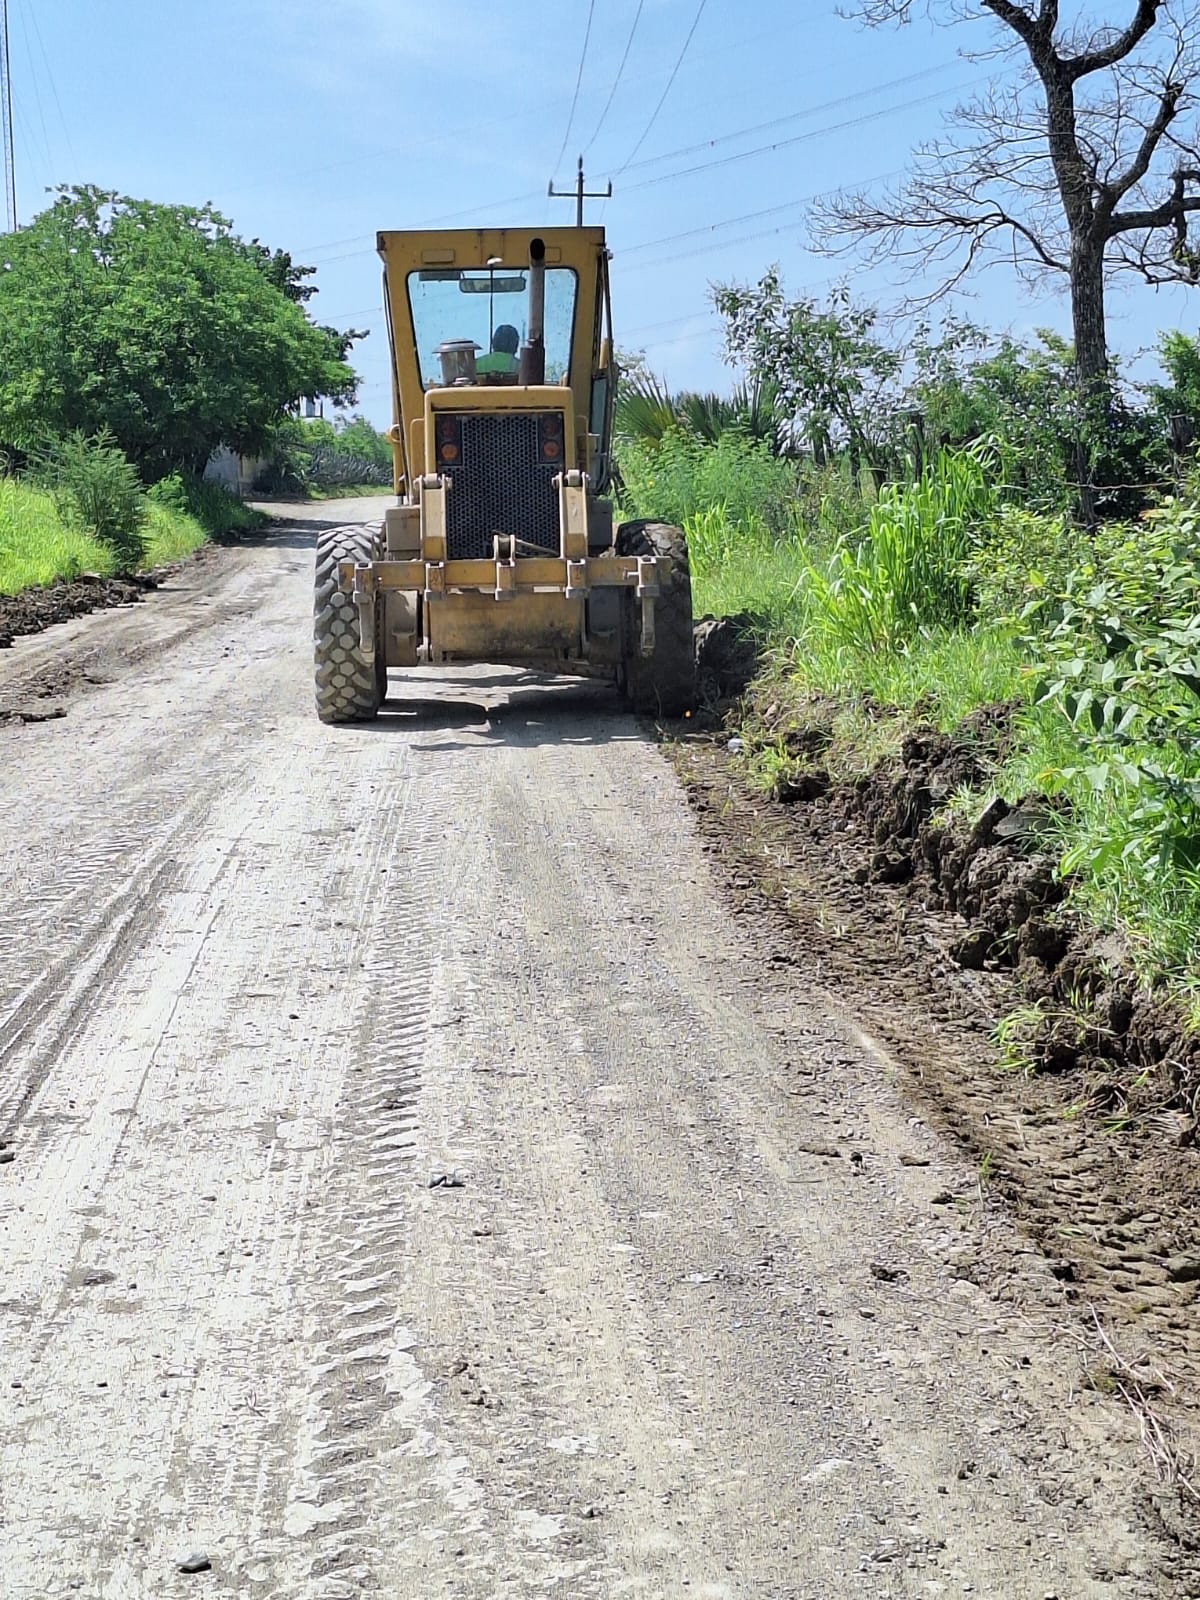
(320, 460)
(908, 543)
(80, 507)
(136, 339)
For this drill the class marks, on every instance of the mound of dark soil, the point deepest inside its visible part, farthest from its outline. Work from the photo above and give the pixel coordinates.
(36, 609)
(1001, 878)
(727, 656)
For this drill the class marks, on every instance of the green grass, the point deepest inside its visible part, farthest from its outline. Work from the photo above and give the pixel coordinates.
(745, 570)
(37, 547)
(900, 622)
(171, 535)
(216, 510)
(349, 491)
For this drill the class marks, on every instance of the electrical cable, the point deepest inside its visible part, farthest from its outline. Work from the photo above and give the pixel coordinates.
(429, 222)
(37, 98)
(799, 138)
(53, 86)
(706, 166)
(685, 150)
(637, 17)
(663, 99)
(750, 216)
(587, 33)
(456, 136)
(793, 116)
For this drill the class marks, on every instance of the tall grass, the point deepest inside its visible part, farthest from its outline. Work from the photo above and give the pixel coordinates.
(906, 572)
(210, 504)
(900, 608)
(745, 571)
(37, 547)
(679, 476)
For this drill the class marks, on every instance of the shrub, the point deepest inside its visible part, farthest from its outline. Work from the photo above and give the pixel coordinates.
(1118, 652)
(358, 438)
(214, 508)
(680, 476)
(314, 454)
(97, 490)
(1024, 555)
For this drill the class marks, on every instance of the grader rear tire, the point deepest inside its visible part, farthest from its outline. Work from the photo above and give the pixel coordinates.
(662, 684)
(349, 688)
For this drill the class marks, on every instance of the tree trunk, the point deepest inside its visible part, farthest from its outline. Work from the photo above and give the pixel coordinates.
(1091, 359)
(1087, 313)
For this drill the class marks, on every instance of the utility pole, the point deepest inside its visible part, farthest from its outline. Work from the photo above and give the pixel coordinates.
(579, 194)
(6, 121)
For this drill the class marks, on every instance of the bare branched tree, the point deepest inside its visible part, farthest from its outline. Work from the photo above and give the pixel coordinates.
(1081, 158)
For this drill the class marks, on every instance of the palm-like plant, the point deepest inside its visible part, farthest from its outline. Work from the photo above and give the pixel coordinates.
(646, 409)
(752, 409)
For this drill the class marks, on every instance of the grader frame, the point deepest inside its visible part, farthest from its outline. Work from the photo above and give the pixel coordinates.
(501, 546)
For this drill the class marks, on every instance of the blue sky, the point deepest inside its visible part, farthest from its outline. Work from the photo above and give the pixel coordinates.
(313, 124)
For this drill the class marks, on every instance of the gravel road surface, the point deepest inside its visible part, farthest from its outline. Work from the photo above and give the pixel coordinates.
(413, 1184)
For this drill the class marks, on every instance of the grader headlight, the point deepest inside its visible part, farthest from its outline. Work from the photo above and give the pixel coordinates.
(550, 437)
(448, 434)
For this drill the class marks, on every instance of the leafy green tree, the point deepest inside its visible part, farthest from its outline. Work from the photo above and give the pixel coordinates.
(832, 380)
(1023, 398)
(158, 323)
(356, 437)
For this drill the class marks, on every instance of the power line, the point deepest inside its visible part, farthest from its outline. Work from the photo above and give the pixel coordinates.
(748, 216)
(37, 99)
(793, 116)
(53, 87)
(705, 166)
(663, 99)
(456, 136)
(587, 33)
(429, 222)
(799, 138)
(712, 227)
(637, 17)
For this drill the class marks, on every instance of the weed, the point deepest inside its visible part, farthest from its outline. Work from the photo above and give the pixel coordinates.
(1014, 1036)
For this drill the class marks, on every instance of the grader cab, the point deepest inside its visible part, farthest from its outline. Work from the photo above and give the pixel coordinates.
(501, 547)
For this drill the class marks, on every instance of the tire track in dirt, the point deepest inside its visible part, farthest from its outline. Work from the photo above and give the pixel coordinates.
(365, 1406)
(104, 926)
(196, 1238)
(641, 1344)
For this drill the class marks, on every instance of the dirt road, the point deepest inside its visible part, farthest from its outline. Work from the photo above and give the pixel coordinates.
(414, 1185)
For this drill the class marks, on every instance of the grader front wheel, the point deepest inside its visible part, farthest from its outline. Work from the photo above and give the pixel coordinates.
(349, 687)
(662, 684)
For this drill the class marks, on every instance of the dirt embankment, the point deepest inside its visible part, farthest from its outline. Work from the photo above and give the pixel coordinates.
(1082, 1008)
(1081, 1115)
(33, 610)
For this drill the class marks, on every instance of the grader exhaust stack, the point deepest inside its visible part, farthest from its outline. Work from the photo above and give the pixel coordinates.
(533, 352)
(500, 546)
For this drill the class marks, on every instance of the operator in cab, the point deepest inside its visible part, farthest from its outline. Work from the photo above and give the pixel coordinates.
(503, 355)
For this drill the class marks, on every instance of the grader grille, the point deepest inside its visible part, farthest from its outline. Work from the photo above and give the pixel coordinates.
(500, 486)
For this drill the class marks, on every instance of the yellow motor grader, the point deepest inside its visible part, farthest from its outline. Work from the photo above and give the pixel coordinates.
(501, 547)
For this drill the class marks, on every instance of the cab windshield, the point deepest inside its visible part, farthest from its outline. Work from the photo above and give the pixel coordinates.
(452, 303)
